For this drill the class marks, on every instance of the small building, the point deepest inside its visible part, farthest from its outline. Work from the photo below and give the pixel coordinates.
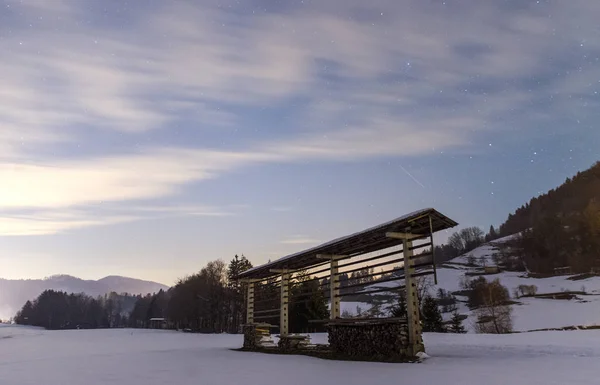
(491, 269)
(158, 323)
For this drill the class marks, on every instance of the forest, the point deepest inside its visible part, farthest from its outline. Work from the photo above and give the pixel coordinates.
(560, 229)
(58, 310)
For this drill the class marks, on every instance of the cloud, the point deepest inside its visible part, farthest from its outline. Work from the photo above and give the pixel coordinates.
(363, 83)
(27, 222)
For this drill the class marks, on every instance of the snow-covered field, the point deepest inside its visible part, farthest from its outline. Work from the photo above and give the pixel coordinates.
(146, 357)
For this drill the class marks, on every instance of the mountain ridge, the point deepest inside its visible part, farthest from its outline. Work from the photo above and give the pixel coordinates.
(15, 292)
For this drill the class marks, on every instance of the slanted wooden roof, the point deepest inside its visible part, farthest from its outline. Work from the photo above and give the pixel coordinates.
(367, 241)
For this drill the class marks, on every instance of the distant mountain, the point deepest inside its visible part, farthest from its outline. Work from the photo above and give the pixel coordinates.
(131, 285)
(14, 293)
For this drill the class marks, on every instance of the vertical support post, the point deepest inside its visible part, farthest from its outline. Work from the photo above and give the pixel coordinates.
(435, 280)
(415, 338)
(334, 290)
(283, 315)
(250, 303)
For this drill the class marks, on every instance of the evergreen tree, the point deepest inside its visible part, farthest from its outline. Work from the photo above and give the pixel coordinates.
(432, 317)
(399, 310)
(492, 235)
(456, 325)
(308, 303)
(237, 266)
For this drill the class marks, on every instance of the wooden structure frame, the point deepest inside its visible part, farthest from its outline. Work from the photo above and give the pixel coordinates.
(397, 239)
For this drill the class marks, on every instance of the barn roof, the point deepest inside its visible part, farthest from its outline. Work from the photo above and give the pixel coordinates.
(366, 241)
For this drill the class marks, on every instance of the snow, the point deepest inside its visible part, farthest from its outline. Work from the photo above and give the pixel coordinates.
(529, 313)
(120, 356)
(538, 313)
(352, 307)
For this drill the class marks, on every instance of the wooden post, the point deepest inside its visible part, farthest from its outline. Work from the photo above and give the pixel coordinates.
(334, 290)
(250, 305)
(334, 283)
(435, 280)
(283, 320)
(415, 338)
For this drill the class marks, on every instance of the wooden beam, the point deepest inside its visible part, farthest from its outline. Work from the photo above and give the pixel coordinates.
(249, 280)
(405, 236)
(331, 257)
(281, 271)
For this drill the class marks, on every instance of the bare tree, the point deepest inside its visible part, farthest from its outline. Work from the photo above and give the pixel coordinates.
(424, 285)
(495, 314)
(467, 239)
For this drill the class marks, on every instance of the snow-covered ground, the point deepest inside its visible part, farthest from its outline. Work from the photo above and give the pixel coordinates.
(33, 356)
(528, 313)
(538, 313)
(531, 313)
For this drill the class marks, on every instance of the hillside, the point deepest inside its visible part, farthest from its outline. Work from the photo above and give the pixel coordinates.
(571, 198)
(14, 293)
(529, 313)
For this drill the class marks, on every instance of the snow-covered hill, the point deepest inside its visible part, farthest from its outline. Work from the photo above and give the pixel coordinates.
(14, 293)
(529, 313)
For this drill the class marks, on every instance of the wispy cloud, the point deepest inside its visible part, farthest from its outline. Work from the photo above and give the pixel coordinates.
(52, 221)
(372, 83)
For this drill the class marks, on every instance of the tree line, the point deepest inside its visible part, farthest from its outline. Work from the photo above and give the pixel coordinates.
(560, 229)
(58, 310)
(210, 301)
(462, 242)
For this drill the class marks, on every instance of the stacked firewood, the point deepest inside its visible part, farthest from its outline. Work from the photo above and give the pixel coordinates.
(369, 339)
(294, 342)
(257, 336)
(250, 337)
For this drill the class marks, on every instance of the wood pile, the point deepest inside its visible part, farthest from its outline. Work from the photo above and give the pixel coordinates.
(257, 336)
(294, 342)
(369, 338)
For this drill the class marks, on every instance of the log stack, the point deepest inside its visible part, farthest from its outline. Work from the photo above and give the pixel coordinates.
(257, 336)
(371, 339)
(294, 342)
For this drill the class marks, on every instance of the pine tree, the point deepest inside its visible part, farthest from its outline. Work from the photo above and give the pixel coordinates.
(456, 325)
(432, 317)
(237, 266)
(492, 235)
(399, 310)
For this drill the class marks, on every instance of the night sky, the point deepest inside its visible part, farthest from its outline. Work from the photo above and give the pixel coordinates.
(147, 138)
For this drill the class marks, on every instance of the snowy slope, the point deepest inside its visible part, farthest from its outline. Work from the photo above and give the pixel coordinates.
(146, 357)
(531, 313)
